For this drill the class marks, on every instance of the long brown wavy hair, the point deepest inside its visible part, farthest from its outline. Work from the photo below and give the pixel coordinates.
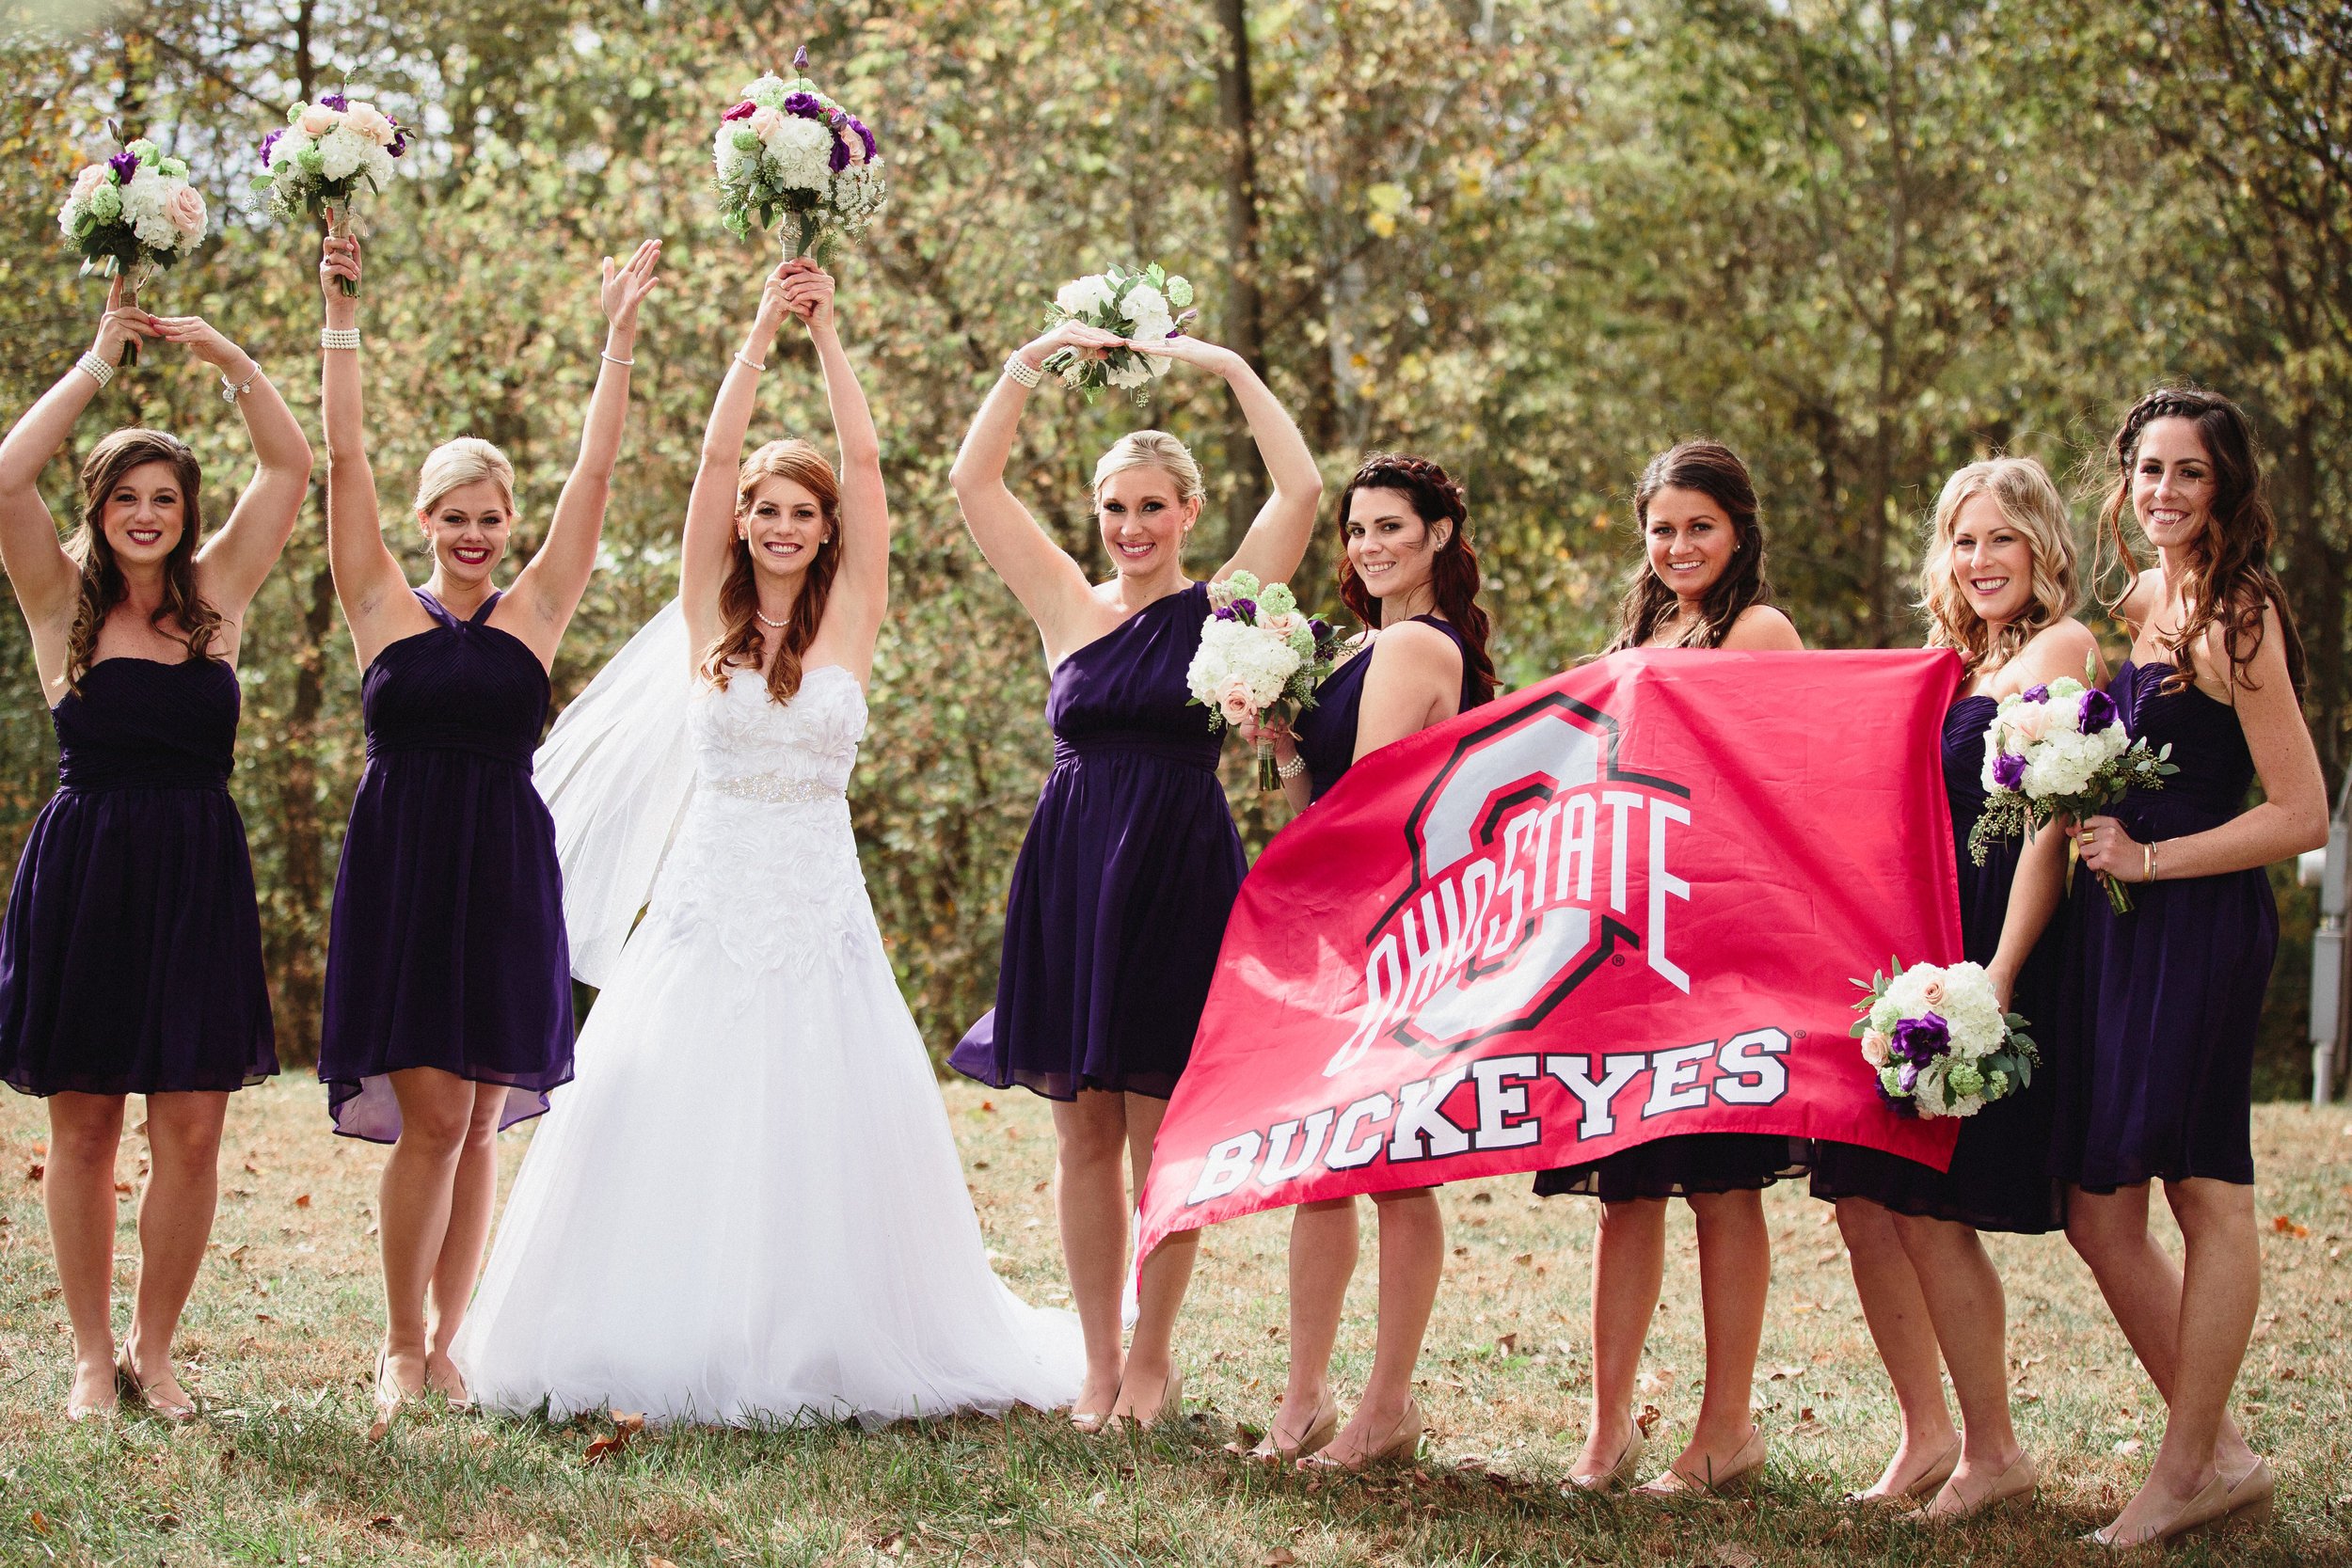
(1453, 568)
(738, 640)
(1715, 471)
(2229, 577)
(102, 585)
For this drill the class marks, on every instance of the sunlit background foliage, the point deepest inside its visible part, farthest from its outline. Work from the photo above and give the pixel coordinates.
(1534, 239)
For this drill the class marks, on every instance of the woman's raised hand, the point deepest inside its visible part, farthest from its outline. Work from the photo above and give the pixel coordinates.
(201, 338)
(1092, 342)
(1185, 351)
(339, 259)
(808, 294)
(625, 287)
(122, 324)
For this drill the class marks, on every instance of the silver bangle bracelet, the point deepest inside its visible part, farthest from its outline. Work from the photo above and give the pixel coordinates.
(753, 365)
(338, 337)
(1021, 370)
(231, 391)
(99, 370)
(610, 360)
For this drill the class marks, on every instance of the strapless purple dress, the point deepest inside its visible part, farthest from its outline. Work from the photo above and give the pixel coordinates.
(1125, 880)
(446, 948)
(2001, 1176)
(1327, 732)
(2156, 1061)
(130, 952)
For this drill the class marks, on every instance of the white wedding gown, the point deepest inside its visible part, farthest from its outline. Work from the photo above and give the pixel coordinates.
(747, 1206)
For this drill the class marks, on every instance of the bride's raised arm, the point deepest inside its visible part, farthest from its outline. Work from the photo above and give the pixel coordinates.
(710, 507)
(861, 589)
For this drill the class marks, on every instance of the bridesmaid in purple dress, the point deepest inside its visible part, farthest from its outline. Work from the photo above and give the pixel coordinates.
(2000, 587)
(448, 1008)
(1408, 573)
(2156, 1079)
(1131, 864)
(130, 952)
(1701, 584)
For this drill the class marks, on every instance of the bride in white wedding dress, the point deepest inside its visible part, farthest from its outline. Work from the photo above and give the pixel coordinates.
(747, 1206)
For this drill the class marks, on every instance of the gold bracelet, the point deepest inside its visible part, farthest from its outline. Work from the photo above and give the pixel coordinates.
(2148, 862)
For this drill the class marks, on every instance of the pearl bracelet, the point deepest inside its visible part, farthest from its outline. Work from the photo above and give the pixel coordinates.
(338, 337)
(1021, 370)
(752, 365)
(1292, 769)
(99, 370)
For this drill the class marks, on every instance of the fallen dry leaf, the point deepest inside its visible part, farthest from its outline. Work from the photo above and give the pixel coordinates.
(2286, 1226)
(1509, 1343)
(1647, 1419)
(303, 1202)
(660, 1562)
(122, 1189)
(1522, 1259)
(1280, 1557)
(2129, 1446)
(626, 1425)
(35, 1171)
(1723, 1554)
(40, 1521)
(385, 1522)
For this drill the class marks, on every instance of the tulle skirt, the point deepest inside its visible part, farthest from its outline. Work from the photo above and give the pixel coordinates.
(747, 1208)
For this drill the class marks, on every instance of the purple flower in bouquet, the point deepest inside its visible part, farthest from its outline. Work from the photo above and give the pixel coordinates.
(1920, 1040)
(2009, 769)
(1249, 608)
(336, 102)
(269, 141)
(1902, 1104)
(125, 164)
(2035, 694)
(803, 104)
(800, 57)
(2098, 711)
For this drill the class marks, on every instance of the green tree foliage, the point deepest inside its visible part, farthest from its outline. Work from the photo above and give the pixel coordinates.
(1536, 240)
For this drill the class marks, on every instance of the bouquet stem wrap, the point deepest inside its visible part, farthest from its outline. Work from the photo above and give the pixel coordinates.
(340, 224)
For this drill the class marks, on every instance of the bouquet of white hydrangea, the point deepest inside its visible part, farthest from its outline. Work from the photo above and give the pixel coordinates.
(1938, 1041)
(1260, 657)
(1142, 307)
(327, 154)
(788, 154)
(131, 217)
(2060, 749)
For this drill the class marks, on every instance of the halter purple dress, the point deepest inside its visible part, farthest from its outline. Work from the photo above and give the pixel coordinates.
(1327, 732)
(130, 952)
(1129, 871)
(2163, 1004)
(2000, 1177)
(447, 947)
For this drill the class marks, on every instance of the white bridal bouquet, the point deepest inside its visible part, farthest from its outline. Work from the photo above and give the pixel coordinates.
(787, 153)
(131, 217)
(325, 156)
(1260, 657)
(2060, 749)
(1938, 1041)
(1139, 306)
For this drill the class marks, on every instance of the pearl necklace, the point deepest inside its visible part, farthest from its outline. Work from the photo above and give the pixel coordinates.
(771, 626)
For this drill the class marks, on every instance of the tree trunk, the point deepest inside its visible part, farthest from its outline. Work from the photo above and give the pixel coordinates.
(1237, 110)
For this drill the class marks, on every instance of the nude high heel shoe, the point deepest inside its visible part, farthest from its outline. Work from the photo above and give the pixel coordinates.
(1627, 1465)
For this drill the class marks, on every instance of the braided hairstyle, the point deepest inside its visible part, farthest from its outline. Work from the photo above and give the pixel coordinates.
(1715, 471)
(102, 586)
(1454, 575)
(2229, 578)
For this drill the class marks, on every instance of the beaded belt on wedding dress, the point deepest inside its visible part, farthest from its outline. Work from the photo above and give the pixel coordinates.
(776, 788)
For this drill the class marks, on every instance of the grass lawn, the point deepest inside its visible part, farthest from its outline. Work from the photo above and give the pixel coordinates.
(280, 1341)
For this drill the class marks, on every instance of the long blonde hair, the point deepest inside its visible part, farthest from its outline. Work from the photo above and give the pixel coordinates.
(2030, 504)
(738, 639)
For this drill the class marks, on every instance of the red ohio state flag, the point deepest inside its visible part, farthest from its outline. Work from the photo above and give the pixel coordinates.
(1622, 904)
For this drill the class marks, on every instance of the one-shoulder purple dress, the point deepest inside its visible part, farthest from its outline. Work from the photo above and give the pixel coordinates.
(1125, 880)
(2001, 1176)
(1327, 732)
(130, 952)
(446, 948)
(2156, 1062)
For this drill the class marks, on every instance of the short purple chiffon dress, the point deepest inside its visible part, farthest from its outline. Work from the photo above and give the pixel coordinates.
(1327, 732)
(130, 952)
(446, 948)
(2156, 1061)
(1125, 880)
(2001, 1176)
